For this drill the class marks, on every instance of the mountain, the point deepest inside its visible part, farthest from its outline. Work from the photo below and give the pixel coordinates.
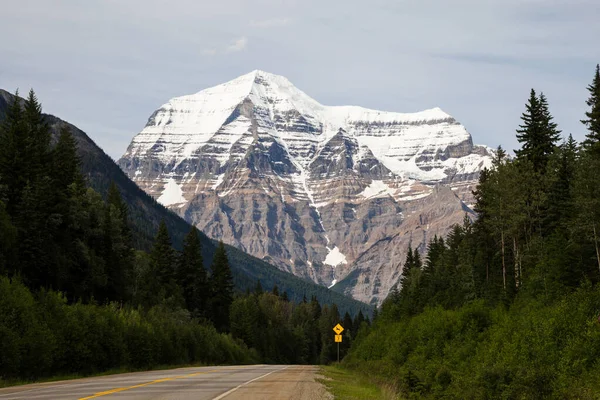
(145, 213)
(312, 189)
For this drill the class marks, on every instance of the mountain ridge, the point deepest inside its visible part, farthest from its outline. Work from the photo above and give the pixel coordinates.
(258, 163)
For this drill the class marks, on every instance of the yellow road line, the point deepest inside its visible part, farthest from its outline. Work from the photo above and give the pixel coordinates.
(117, 390)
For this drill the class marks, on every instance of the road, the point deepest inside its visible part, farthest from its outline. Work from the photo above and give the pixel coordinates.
(253, 382)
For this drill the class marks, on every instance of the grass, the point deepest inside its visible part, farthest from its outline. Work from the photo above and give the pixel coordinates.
(348, 385)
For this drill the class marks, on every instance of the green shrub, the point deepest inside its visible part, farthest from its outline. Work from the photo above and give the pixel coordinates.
(43, 336)
(532, 350)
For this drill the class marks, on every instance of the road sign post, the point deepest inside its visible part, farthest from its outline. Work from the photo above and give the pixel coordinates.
(338, 329)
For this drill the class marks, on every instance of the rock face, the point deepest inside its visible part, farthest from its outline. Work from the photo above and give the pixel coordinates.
(331, 194)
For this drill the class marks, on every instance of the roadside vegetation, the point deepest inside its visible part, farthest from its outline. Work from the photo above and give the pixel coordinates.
(507, 306)
(344, 384)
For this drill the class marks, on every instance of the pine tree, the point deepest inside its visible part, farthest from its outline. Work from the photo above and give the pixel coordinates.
(592, 141)
(551, 133)
(347, 324)
(315, 307)
(12, 163)
(221, 281)
(162, 275)
(560, 197)
(410, 260)
(118, 246)
(408, 265)
(37, 139)
(192, 275)
(66, 165)
(258, 289)
(417, 259)
(499, 157)
(358, 320)
(538, 133)
(8, 237)
(275, 290)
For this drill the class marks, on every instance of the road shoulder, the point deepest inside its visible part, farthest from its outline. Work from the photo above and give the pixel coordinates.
(299, 382)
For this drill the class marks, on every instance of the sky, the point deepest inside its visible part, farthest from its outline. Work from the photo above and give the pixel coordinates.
(106, 65)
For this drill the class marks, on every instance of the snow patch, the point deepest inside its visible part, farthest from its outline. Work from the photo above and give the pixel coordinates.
(332, 284)
(218, 181)
(172, 194)
(377, 188)
(335, 257)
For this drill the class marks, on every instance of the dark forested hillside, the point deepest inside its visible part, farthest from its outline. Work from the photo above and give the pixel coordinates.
(81, 292)
(146, 214)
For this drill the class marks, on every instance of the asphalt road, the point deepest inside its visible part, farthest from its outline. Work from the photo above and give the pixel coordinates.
(253, 382)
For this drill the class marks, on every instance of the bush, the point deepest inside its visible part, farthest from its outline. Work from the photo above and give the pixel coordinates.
(532, 350)
(43, 336)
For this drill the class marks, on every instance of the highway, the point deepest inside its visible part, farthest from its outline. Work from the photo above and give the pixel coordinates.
(253, 382)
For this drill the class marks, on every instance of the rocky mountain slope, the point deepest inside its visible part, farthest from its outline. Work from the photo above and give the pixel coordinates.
(145, 213)
(332, 194)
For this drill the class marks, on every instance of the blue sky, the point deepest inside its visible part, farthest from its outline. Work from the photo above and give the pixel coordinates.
(106, 65)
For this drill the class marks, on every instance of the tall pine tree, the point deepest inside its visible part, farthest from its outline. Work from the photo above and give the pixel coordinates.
(221, 282)
(192, 275)
(538, 134)
(12, 163)
(161, 278)
(592, 121)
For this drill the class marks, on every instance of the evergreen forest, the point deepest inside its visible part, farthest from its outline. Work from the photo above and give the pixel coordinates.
(82, 292)
(506, 306)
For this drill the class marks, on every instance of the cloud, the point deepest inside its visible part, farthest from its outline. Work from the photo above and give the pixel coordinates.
(234, 46)
(209, 52)
(237, 45)
(270, 23)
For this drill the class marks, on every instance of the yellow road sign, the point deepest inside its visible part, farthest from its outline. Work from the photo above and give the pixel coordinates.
(338, 338)
(338, 329)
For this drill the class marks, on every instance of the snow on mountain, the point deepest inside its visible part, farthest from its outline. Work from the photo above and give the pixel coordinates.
(402, 142)
(311, 188)
(172, 194)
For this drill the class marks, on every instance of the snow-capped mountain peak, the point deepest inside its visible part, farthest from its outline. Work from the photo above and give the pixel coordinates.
(260, 164)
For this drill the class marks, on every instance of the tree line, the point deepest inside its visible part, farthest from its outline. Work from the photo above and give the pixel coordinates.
(500, 283)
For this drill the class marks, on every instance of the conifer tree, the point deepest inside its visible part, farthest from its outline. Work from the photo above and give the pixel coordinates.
(560, 197)
(65, 163)
(551, 133)
(408, 265)
(499, 157)
(192, 275)
(12, 143)
(115, 199)
(37, 139)
(275, 290)
(538, 133)
(347, 324)
(118, 246)
(162, 265)
(258, 289)
(417, 259)
(315, 307)
(357, 322)
(221, 281)
(8, 237)
(592, 121)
